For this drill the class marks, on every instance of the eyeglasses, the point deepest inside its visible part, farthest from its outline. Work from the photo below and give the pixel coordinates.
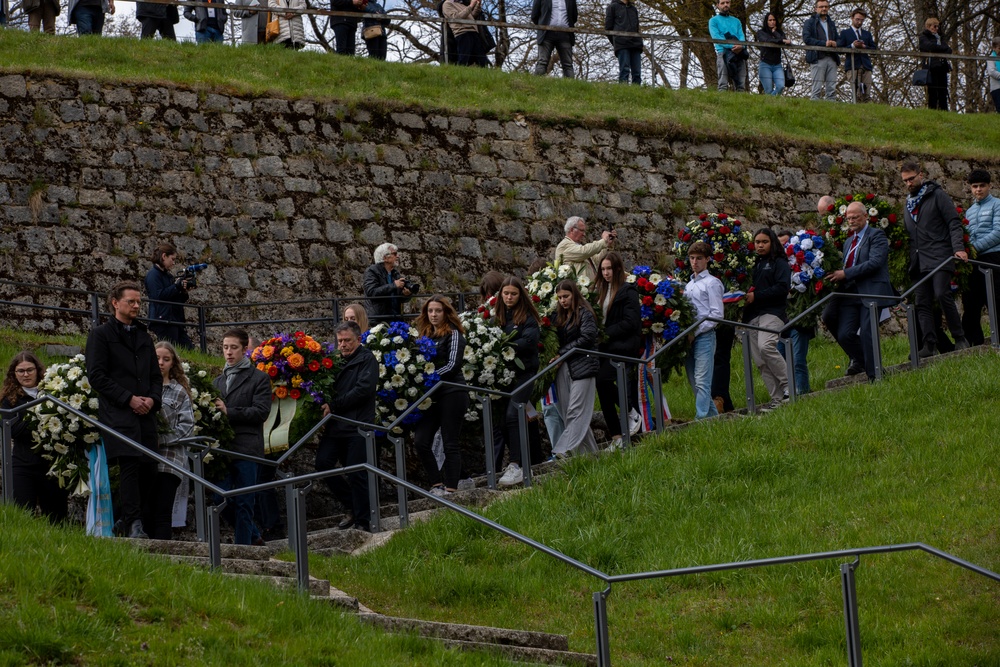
(909, 179)
(25, 371)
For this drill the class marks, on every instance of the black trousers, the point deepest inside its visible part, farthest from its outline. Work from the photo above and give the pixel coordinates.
(937, 89)
(160, 528)
(151, 25)
(351, 490)
(607, 393)
(725, 335)
(974, 300)
(854, 315)
(512, 429)
(33, 486)
(136, 489)
(447, 413)
(937, 288)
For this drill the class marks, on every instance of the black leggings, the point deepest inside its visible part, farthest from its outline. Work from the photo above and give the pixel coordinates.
(447, 413)
(33, 486)
(607, 393)
(161, 527)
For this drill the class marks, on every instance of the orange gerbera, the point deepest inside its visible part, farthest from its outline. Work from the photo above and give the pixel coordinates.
(268, 351)
(296, 361)
(281, 392)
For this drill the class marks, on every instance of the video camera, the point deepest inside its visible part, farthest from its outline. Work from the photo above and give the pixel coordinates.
(411, 285)
(190, 274)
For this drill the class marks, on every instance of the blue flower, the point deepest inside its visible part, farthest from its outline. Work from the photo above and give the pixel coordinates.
(427, 347)
(646, 312)
(810, 256)
(819, 272)
(390, 359)
(818, 242)
(665, 288)
(641, 270)
(431, 379)
(670, 330)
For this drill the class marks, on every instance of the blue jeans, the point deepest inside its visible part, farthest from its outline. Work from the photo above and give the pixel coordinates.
(553, 422)
(89, 20)
(700, 364)
(209, 34)
(800, 349)
(629, 61)
(241, 474)
(772, 78)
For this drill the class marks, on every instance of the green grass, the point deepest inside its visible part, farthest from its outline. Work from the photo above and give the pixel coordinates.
(685, 114)
(66, 598)
(909, 459)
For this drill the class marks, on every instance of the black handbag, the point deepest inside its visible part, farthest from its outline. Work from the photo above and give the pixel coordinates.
(921, 77)
(789, 73)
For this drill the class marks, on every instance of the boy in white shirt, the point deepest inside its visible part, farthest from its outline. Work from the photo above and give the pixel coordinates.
(705, 292)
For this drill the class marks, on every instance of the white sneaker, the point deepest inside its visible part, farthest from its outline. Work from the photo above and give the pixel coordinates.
(616, 444)
(512, 475)
(440, 491)
(634, 422)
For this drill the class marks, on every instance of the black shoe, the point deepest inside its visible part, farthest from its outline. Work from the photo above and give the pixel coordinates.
(854, 369)
(258, 542)
(136, 531)
(118, 530)
(928, 350)
(962, 344)
(276, 533)
(346, 523)
(363, 526)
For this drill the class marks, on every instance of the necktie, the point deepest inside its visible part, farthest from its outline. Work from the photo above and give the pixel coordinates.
(850, 255)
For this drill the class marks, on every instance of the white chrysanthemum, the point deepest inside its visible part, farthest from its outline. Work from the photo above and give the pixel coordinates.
(631, 278)
(660, 300)
(883, 223)
(202, 374)
(74, 373)
(486, 378)
(532, 286)
(421, 359)
(398, 340)
(60, 448)
(508, 354)
(675, 316)
(655, 277)
(467, 373)
(418, 378)
(91, 437)
(831, 219)
(74, 426)
(398, 381)
(400, 404)
(412, 392)
(84, 384)
(657, 327)
(429, 367)
(583, 281)
(426, 404)
(806, 243)
(403, 355)
(544, 289)
(411, 369)
(843, 209)
(93, 404)
(873, 211)
(469, 354)
(381, 371)
(399, 368)
(387, 385)
(489, 363)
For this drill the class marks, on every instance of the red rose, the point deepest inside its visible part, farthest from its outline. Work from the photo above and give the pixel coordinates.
(830, 208)
(960, 210)
(703, 216)
(679, 263)
(869, 196)
(735, 245)
(680, 235)
(486, 315)
(710, 233)
(723, 216)
(299, 334)
(314, 365)
(647, 323)
(965, 237)
(300, 343)
(546, 322)
(658, 309)
(729, 273)
(327, 362)
(535, 298)
(897, 244)
(819, 286)
(667, 312)
(650, 287)
(849, 198)
(641, 282)
(706, 223)
(687, 238)
(724, 230)
(801, 256)
(273, 371)
(796, 268)
(295, 394)
(789, 250)
(647, 301)
(839, 219)
(718, 257)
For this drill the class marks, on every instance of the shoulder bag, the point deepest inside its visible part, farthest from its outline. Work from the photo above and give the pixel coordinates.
(789, 73)
(272, 31)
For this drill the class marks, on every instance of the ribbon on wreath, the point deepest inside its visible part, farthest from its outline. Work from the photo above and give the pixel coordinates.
(646, 394)
(100, 518)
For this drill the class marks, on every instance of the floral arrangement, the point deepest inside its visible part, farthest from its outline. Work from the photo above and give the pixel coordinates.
(733, 254)
(811, 259)
(665, 312)
(209, 421)
(298, 365)
(62, 437)
(489, 358)
(881, 214)
(406, 370)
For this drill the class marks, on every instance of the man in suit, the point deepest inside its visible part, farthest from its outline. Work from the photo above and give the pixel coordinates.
(557, 13)
(122, 369)
(866, 271)
(820, 30)
(857, 64)
(245, 399)
(935, 230)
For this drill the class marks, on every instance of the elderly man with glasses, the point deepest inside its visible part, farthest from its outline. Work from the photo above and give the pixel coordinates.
(585, 257)
(385, 287)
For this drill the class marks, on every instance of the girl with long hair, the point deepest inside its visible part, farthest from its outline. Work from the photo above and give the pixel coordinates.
(623, 335)
(576, 327)
(356, 313)
(178, 412)
(516, 314)
(32, 486)
(765, 307)
(439, 321)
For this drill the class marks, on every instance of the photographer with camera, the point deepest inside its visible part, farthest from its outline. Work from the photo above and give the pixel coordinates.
(161, 285)
(582, 256)
(385, 287)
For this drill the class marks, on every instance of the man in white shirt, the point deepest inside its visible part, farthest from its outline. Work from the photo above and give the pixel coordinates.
(556, 13)
(705, 292)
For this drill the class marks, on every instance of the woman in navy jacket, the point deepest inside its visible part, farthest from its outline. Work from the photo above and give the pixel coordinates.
(765, 307)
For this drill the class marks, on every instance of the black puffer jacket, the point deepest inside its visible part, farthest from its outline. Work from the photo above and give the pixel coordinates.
(525, 343)
(582, 335)
(623, 17)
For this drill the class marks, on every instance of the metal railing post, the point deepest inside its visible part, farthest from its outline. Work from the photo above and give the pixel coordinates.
(851, 622)
(297, 515)
(293, 537)
(789, 346)
(622, 402)
(95, 310)
(404, 512)
(6, 461)
(911, 333)
(490, 446)
(876, 341)
(202, 329)
(374, 513)
(748, 370)
(214, 536)
(601, 627)
(991, 311)
(659, 419)
(200, 516)
(522, 431)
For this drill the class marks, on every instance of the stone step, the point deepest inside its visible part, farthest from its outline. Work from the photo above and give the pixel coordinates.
(200, 549)
(526, 654)
(469, 633)
(318, 588)
(266, 568)
(340, 599)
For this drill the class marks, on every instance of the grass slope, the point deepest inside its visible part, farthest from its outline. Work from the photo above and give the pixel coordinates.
(696, 114)
(910, 459)
(66, 598)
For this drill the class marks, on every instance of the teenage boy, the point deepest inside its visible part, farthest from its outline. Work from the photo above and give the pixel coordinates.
(984, 235)
(246, 400)
(705, 292)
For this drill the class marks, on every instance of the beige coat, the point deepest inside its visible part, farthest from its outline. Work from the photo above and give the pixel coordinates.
(291, 29)
(456, 10)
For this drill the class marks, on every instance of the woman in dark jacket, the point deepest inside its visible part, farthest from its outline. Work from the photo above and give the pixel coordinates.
(765, 307)
(622, 16)
(623, 335)
(576, 326)
(32, 484)
(439, 322)
(772, 76)
(938, 68)
(515, 314)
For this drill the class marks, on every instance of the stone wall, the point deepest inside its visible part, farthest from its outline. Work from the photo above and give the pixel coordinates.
(287, 199)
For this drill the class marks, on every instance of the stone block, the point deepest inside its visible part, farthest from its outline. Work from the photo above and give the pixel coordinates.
(306, 229)
(762, 177)
(241, 167)
(339, 232)
(270, 165)
(244, 144)
(410, 120)
(12, 86)
(302, 185)
(171, 224)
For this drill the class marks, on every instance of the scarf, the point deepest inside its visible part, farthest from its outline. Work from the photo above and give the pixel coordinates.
(913, 201)
(231, 371)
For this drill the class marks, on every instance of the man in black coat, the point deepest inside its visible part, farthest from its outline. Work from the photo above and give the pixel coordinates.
(384, 285)
(866, 271)
(935, 230)
(559, 13)
(353, 397)
(246, 402)
(122, 369)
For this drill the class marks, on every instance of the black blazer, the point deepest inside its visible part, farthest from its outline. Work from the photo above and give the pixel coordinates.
(120, 365)
(857, 58)
(623, 325)
(937, 234)
(541, 14)
(248, 403)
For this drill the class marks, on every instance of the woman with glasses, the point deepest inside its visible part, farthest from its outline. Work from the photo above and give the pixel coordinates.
(32, 485)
